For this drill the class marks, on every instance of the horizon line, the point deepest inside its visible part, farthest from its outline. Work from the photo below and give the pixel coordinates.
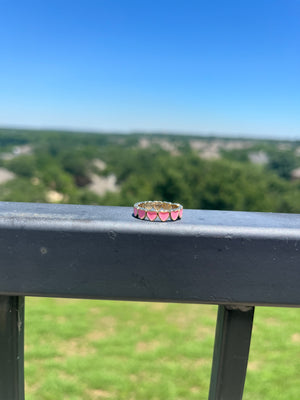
(202, 134)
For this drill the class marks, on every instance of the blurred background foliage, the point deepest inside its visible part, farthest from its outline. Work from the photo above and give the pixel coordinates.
(199, 172)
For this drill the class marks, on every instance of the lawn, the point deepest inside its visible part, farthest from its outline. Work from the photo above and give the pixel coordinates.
(94, 350)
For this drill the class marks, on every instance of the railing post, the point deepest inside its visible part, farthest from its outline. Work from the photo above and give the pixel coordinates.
(232, 343)
(12, 347)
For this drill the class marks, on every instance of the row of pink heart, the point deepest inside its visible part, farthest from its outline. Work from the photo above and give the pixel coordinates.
(152, 215)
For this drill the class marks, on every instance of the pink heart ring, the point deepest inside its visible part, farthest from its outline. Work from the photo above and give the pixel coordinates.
(157, 210)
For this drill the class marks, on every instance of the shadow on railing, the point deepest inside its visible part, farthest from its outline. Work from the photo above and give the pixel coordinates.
(237, 260)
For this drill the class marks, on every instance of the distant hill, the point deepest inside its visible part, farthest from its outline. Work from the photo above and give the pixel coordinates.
(119, 169)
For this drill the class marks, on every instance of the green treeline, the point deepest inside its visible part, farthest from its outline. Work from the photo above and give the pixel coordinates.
(149, 167)
(201, 184)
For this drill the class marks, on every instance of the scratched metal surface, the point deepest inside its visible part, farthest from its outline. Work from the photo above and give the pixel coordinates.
(218, 257)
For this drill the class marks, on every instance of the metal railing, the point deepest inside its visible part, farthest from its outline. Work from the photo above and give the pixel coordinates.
(237, 260)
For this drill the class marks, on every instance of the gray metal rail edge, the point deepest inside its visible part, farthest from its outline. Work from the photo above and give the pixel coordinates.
(237, 260)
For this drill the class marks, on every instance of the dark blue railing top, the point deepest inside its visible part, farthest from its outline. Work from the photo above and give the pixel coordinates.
(218, 257)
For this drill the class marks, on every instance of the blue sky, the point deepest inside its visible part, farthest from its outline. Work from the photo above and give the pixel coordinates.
(228, 67)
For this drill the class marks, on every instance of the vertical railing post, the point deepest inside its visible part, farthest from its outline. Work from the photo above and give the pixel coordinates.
(11, 347)
(232, 344)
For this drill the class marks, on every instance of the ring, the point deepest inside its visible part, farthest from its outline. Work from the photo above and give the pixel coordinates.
(163, 210)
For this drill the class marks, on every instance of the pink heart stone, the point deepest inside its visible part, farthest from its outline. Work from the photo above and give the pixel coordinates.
(142, 214)
(163, 215)
(135, 211)
(152, 215)
(174, 215)
(180, 213)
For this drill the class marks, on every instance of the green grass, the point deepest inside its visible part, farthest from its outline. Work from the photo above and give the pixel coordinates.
(94, 350)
